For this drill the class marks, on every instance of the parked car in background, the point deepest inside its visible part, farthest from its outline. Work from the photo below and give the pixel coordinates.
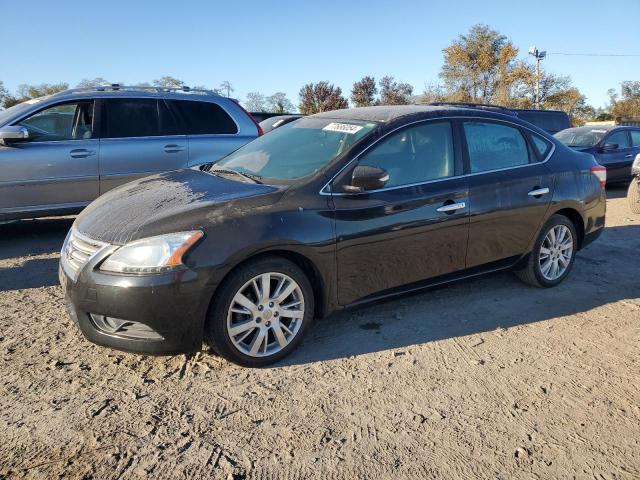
(551, 121)
(613, 146)
(277, 121)
(262, 116)
(58, 153)
(633, 194)
(335, 209)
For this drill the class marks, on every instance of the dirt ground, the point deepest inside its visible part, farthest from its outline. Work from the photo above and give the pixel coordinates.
(486, 378)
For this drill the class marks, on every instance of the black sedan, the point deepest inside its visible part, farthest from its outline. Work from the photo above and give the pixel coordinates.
(332, 210)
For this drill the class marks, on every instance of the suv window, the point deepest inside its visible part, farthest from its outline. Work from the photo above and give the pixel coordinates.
(635, 138)
(620, 137)
(415, 154)
(137, 117)
(204, 118)
(67, 121)
(493, 146)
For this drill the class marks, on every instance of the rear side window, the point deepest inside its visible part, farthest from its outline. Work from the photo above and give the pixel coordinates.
(635, 138)
(204, 118)
(541, 145)
(493, 146)
(137, 117)
(620, 138)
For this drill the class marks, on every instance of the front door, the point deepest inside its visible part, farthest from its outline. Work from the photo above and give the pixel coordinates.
(617, 155)
(412, 229)
(510, 190)
(57, 167)
(139, 138)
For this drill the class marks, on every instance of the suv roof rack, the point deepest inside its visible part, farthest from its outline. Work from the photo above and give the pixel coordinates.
(481, 106)
(115, 87)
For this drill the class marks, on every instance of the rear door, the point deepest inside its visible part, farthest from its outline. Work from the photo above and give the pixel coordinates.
(57, 167)
(140, 137)
(412, 229)
(617, 160)
(510, 190)
(212, 131)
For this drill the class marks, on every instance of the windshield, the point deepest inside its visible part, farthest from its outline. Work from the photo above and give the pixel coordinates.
(296, 150)
(581, 137)
(19, 108)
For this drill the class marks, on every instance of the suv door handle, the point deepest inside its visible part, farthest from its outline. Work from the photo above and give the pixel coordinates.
(451, 207)
(173, 148)
(538, 192)
(629, 156)
(81, 153)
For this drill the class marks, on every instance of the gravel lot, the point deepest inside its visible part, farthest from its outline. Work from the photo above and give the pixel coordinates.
(485, 378)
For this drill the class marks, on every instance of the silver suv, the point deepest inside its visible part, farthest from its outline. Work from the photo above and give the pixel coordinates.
(58, 153)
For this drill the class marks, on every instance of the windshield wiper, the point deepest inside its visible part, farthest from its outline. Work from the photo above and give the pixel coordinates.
(253, 178)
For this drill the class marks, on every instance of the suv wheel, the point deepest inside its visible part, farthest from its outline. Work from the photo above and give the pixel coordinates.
(553, 254)
(261, 312)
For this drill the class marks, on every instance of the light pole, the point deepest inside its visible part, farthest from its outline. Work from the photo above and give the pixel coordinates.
(539, 56)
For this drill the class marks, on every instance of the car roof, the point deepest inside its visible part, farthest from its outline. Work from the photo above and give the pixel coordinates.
(136, 93)
(390, 113)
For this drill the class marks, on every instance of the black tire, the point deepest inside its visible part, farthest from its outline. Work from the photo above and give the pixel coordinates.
(531, 272)
(633, 195)
(216, 334)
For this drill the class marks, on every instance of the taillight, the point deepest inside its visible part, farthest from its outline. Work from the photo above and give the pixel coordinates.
(601, 173)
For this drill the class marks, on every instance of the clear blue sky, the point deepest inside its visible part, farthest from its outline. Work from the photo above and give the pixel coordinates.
(270, 46)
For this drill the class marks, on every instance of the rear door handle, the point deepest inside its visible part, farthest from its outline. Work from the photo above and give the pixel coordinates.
(451, 207)
(538, 192)
(173, 148)
(81, 153)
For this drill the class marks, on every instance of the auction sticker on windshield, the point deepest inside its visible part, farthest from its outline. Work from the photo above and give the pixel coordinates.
(343, 128)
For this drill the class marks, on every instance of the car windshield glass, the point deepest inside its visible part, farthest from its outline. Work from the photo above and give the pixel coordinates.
(19, 108)
(297, 149)
(581, 137)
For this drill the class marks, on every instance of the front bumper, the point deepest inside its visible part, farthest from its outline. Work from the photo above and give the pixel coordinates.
(153, 314)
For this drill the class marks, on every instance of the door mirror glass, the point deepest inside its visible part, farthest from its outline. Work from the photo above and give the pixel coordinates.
(366, 178)
(10, 134)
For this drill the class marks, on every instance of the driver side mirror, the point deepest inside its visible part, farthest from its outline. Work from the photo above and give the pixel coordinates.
(10, 134)
(607, 147)
(365, 177)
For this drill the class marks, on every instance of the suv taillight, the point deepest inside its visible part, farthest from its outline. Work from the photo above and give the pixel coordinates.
(601, 173)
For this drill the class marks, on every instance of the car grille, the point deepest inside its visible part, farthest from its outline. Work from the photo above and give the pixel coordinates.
(78, 250)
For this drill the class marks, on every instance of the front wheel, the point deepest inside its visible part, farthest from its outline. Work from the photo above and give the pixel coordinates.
(633, 195)
(553, 254)
(260, 312)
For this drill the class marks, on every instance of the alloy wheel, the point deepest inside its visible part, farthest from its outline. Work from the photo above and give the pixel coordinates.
(556, 252)
(265, 314)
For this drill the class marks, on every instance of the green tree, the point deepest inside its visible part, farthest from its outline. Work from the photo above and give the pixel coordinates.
(226, 88)
(394, 93)
(167, 81)
(364, 91)
(279, 103)
(321, 97)
(27, 92)
(3, 94)
(96, 82)
(627, 104)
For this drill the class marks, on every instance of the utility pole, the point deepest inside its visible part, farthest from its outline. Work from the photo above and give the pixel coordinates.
(539, 56)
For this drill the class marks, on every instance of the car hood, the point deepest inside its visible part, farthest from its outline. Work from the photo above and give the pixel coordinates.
(170, 202)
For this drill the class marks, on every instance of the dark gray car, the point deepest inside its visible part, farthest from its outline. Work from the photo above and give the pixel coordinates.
(58, 153)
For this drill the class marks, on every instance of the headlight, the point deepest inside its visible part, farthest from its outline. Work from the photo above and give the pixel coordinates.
(152, 255)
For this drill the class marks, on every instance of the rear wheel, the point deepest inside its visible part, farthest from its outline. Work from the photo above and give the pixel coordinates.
(553, 254)
(261, 312)
(633, 195)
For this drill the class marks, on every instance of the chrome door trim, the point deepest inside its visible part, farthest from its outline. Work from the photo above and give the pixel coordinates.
(452, 207)
(326, 190)
(538, 192)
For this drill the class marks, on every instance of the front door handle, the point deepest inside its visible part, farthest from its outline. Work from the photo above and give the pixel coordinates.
(173, 148)
(81, 153)
(538, 192)
(451, 207)
(629, 156)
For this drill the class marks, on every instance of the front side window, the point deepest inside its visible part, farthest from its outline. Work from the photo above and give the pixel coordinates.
(415, 154)
(204, 118)
(67, 121)
(298, 149)
(635, 138)
(493, 146)
(137, 117)
(619, 138)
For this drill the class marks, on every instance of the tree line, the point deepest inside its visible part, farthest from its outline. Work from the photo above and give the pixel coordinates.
(481, 66)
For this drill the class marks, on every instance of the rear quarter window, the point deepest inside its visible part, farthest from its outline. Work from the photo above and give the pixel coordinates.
(204, 118)
(541, 145)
